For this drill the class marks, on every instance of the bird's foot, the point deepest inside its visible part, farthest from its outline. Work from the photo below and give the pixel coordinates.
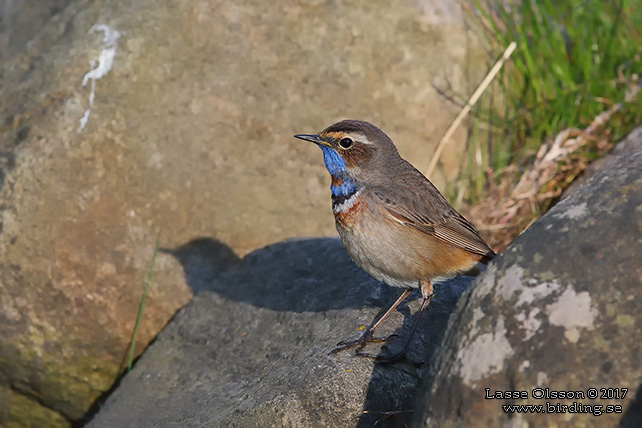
(360, 343)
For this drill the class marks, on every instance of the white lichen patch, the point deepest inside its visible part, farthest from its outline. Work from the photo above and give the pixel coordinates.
(511, 282)
(542, 379)
(523, 366)
(485, 355)
(478, 314)
(105, 64)
(573, 212)
(529, 324)
(573, 311)
(513, 285)
(529, 294)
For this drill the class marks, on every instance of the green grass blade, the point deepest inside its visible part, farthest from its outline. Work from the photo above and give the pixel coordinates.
(575, 59)
(141, 307)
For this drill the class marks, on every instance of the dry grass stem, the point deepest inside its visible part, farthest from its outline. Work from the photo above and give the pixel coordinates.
(504, 213)
(471, 102)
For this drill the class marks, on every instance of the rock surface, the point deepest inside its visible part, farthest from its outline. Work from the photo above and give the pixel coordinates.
(188, 130)
(253, 350)
(627, 145)
(21, 20)
(559, 309)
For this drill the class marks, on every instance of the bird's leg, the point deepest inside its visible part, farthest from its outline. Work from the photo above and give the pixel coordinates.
(427, 294)
(368, 335)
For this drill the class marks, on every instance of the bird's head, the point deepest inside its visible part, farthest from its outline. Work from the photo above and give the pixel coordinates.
(353, 149)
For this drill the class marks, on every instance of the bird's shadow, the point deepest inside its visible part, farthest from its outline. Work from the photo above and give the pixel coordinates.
(316, 274)
(298, 275)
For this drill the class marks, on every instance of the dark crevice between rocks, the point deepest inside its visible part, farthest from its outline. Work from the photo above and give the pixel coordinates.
(633, 416)
(511, 376)
(97, 404)
(443, 357)
(383, 389)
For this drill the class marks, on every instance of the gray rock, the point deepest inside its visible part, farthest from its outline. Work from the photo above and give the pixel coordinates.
(628, 145)
(559, 309)
(190, 132)
(21, 20)
(253, 349)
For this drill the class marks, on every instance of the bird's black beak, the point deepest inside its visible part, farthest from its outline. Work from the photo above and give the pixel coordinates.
(314, 138)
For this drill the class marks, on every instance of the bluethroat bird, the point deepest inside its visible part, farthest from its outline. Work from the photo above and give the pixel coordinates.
(392, 220)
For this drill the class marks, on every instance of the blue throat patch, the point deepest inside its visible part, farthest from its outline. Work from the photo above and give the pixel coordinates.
(337, 168)
(335, 164)
(347, 189)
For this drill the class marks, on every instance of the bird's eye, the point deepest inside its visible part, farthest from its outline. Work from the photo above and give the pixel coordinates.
(345, 143)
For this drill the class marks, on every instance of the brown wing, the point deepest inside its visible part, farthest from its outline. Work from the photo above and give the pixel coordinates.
(420, 205)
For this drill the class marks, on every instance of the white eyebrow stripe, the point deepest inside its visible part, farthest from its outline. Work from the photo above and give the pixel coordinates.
(339, 135)
(360, 138)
